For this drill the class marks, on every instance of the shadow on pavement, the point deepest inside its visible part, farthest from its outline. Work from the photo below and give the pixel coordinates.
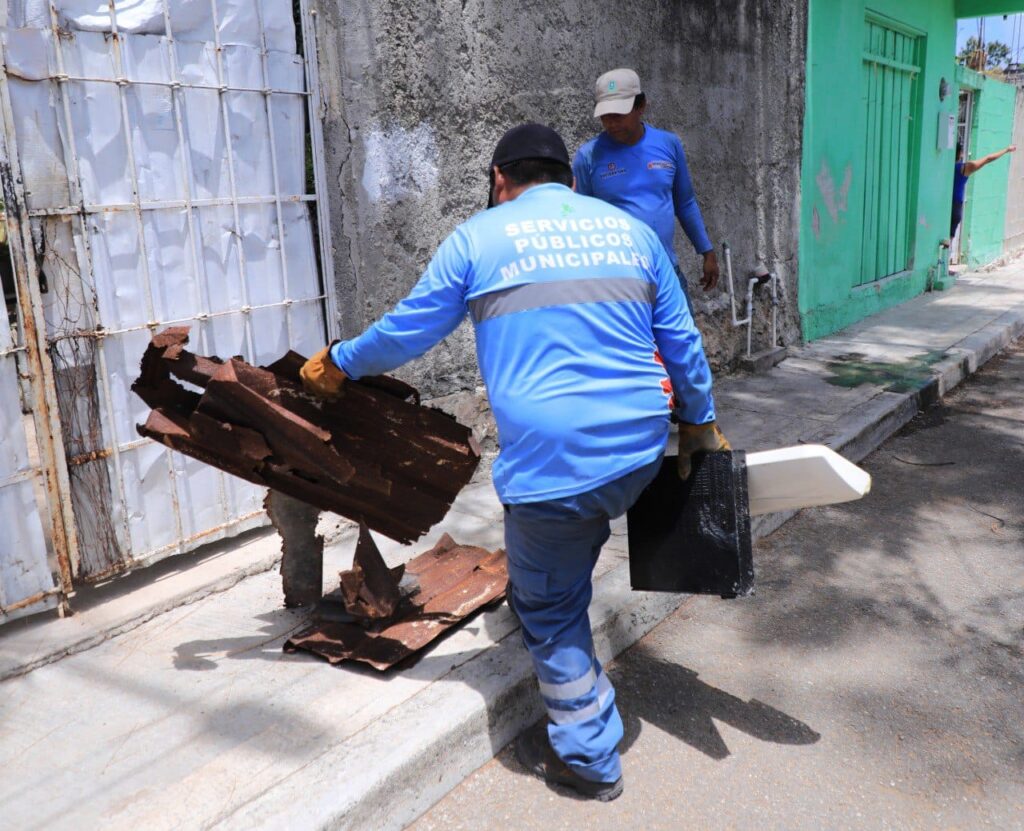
(934, 547)
(204, 654)
(674, 699)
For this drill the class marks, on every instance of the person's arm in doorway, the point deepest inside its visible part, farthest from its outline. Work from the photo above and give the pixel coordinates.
(974, 165)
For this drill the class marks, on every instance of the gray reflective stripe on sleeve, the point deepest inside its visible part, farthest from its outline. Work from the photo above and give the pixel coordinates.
(570, 689)
(604, 690)
(561, 293)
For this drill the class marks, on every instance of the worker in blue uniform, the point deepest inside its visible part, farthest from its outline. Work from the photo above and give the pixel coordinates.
(642, 170)
(580, 328)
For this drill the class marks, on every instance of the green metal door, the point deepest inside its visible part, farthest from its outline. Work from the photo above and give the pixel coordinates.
(891, 69)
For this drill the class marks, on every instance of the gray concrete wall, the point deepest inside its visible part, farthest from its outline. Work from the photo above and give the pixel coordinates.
(1014, 234)
(418, 92)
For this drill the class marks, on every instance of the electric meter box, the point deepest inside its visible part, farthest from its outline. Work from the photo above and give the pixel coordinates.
(947, 131)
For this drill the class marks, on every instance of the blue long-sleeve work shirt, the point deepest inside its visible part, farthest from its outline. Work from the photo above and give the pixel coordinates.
(648, 180)
(580, 325)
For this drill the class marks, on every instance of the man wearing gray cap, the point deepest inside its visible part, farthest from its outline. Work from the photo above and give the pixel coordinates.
(642, 170)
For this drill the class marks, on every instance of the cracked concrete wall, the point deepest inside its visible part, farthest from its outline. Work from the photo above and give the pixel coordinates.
(418, 92)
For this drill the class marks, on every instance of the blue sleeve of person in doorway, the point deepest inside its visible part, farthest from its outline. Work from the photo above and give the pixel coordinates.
(685, 203)
(434, 308)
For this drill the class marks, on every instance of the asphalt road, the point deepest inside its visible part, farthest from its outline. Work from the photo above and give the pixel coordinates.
(875, 680)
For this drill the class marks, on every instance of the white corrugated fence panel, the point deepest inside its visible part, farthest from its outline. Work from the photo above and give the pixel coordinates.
(122, 160)
(24, 565)
(190, 19)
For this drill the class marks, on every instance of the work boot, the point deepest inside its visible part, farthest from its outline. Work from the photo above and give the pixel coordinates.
(535, 753)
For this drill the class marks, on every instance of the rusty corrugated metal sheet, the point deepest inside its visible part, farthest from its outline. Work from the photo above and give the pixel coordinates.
(369, 589)
(374, 455)
(454, 581)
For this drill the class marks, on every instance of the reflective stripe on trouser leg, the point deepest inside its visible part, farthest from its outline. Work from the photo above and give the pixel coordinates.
(552, 548)
(580, 708)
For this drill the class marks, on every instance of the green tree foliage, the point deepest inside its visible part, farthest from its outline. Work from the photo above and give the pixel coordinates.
(997, 53)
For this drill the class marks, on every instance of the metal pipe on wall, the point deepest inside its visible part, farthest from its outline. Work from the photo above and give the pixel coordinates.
(760, 275)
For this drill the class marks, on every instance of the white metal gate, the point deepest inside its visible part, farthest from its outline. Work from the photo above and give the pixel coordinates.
(158, 157)
(32, 577)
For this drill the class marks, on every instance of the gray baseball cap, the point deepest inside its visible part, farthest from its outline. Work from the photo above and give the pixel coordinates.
(616, 91)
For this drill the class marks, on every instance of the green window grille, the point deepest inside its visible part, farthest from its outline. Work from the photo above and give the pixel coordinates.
(892, 68)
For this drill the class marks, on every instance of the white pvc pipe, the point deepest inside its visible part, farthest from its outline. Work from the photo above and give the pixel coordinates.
(751, 282)
(726, 255)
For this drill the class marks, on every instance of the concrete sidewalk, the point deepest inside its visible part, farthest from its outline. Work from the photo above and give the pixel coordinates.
(196, 718)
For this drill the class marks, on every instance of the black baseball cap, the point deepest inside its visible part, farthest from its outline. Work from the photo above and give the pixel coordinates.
(527, 141)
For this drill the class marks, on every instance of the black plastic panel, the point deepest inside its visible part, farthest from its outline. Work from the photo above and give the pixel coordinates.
(694, 536)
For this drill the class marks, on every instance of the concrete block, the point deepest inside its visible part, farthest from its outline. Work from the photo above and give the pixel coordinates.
(760, 362)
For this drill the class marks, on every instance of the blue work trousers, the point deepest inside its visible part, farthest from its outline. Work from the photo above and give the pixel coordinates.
(552, 547)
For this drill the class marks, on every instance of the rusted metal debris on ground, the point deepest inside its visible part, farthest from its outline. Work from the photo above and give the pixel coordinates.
(373, 455)
(370, 589)
(448, 583)
(302, 548)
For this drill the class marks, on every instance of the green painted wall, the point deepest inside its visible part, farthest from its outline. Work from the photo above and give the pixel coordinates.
(1013, 236)
(984, 8)
(981, 238)
(832, 181)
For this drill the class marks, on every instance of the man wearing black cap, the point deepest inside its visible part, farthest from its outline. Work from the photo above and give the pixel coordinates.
(582, 334)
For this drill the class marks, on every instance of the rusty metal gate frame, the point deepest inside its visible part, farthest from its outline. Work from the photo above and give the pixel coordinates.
(56, 516)
(39, 347)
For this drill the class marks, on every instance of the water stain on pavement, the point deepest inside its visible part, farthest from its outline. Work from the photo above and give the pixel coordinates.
(853, 369)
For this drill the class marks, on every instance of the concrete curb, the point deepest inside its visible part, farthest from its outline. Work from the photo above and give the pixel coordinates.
(432, 742)
(429, 744)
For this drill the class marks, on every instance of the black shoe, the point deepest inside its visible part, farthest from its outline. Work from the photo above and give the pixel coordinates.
(535, 753)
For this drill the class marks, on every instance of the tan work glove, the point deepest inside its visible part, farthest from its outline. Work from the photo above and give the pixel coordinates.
(697, 438)
(321, 376)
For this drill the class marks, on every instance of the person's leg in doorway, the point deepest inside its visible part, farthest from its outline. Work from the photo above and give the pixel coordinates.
(955, 219)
